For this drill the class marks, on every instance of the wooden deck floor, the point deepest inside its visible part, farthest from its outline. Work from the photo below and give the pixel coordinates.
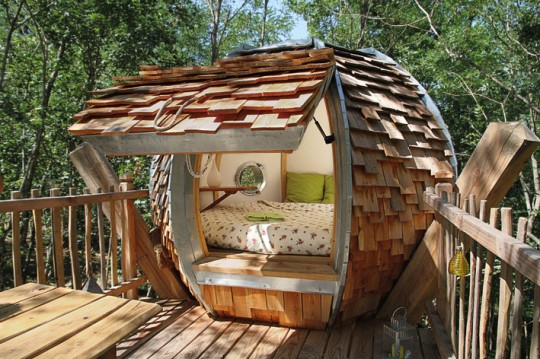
(184, 330)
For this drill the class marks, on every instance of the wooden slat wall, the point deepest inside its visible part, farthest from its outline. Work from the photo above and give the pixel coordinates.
(291, 309)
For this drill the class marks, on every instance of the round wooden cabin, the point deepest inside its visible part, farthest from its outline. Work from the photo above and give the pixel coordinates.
(324, 154)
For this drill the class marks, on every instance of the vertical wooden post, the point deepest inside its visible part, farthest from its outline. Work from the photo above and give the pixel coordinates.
(486, 288)
(477, 288)
(102, 247)
(517, 319)
(534, 351)
(442, 300)
(128, 236)
(88, 237)
(113, 240)
(471, 310)
(283, 176)
(505, 292)
(16, 243)
(73, 245)
(38, 227)
(58, 250)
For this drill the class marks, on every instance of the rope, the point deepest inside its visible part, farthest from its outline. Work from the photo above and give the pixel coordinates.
(173, 122)
(190, 167)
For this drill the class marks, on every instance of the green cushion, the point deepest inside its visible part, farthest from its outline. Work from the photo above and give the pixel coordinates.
(329, 189)
(305, 187)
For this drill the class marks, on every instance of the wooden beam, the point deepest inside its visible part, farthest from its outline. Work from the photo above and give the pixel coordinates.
(441, 336)
(495, 164)
(34, 203)
(96, 171)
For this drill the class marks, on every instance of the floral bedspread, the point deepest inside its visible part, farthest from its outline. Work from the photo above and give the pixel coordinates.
(306, 230)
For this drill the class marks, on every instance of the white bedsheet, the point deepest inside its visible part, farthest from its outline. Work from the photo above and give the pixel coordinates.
(306, 230)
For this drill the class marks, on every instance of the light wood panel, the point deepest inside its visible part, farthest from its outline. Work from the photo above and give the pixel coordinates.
(289, 309)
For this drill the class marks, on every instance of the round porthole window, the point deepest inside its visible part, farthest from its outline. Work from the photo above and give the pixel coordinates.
(250, 174)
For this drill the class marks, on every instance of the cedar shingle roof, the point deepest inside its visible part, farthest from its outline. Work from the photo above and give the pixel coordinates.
(261, 92)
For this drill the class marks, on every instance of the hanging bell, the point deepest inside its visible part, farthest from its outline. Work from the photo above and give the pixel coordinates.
(458, 265)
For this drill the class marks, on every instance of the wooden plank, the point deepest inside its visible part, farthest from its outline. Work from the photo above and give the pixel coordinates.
(249, 341)
(88, 237)
(199, 124)
(224, 296)
(269, 121)
(102, 247)
(274, 300)
(339, 342)
(240, 299)
(16, 242)
(204, 340)
(147, 110)
(73, 245)
(505, 291)
(508, 146)
(439, 332)
(292, 344)
(113, 241)
(37, 216)
(59, 329)
(57, 238)
(517, 313)
(270, 343)
(30, 204)
(256, 299)
(169, 333)
(292, 314)
(49, 311)
(124, 99)
(27, 290)
(34, 298)
(283, 269)
(121, 126)
(226, 341)
(315, 345)
(184, 338)
(293, 104)
(126, 286)
(89, 343)
(429, 347)
(311, 307)
(534, 351)
(129, 257)
(362, 340)
(486, 289)
(226, 107)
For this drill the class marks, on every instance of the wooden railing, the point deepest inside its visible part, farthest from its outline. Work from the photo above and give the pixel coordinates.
(483, 314)
(66, 240)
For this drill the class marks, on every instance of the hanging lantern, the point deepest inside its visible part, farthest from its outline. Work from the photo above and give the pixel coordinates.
(458, 265)
(398, 336)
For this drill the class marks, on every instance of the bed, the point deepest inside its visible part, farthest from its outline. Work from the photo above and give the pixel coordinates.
(306, 228)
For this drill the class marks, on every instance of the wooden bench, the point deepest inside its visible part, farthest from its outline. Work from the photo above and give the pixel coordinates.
(49, 322)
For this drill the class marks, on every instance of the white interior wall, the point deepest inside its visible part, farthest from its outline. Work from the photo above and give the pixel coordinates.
(312, 156)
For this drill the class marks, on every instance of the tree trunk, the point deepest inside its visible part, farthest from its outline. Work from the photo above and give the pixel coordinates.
(263, 29)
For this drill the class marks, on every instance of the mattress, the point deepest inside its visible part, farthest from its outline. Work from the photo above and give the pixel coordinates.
(307, 228)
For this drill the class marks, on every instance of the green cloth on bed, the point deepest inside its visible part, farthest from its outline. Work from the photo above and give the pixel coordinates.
(264, 217)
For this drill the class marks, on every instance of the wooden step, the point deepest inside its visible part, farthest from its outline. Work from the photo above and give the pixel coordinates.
(282, 269)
